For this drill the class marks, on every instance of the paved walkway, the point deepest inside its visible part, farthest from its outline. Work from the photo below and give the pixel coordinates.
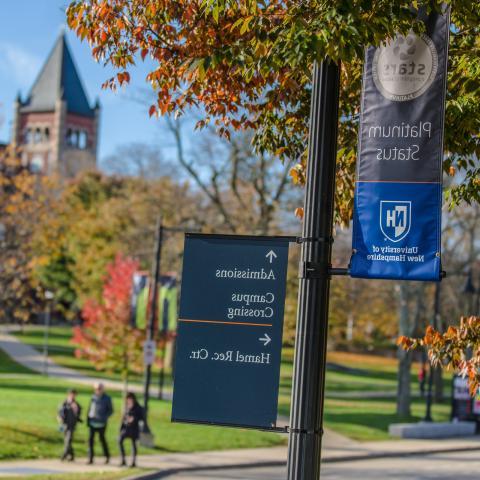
(32, 359)
(457, 466)
(337, 449)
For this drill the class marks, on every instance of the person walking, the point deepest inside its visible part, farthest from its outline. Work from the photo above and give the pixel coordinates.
(99, 412)
(69, 415)
(130, 427)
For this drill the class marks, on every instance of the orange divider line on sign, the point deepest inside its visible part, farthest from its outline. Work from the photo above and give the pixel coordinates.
(226, 323)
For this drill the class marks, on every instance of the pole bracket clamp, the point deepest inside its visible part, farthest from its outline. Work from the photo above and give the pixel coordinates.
(311, 270)
(306, 431)
(301, 240)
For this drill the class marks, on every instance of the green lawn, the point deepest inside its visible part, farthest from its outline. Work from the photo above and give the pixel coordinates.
(362, 418)
(359, 418)
(28, 426)
(8, 366)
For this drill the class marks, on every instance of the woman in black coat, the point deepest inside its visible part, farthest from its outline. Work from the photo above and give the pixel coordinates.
(130, 428)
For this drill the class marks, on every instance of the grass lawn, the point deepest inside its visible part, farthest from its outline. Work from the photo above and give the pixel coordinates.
(362, 418)
(7, 365)
(358, 418)
(28, 426)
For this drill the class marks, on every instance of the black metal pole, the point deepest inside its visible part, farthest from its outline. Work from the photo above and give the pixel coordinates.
(152, 312)
(306, 417)
(47, 314)
(161, 380)
(436, 313)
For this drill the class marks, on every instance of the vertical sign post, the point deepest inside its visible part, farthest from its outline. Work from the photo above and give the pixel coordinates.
(152, 313)
(306, 417)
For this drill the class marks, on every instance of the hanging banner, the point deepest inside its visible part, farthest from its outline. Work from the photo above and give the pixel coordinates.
(139, 297)
(398, 192)
(167, 302)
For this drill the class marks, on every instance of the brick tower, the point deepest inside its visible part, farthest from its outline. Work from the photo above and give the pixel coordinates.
(55, 126)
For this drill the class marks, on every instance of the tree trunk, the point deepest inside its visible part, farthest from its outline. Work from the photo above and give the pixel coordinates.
(438, 384)
(404, 358)
(403, 390)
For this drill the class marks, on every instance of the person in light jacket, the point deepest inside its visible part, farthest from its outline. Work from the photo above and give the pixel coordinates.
(99, 411)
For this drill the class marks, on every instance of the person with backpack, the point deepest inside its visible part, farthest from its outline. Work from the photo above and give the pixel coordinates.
(130, 427)
(69, 415)
(99, 412)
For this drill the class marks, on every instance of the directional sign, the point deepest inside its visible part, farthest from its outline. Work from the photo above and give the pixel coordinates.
(229, 340)
(149, 349)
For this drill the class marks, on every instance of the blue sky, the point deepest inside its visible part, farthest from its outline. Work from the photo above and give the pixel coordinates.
(28, 30)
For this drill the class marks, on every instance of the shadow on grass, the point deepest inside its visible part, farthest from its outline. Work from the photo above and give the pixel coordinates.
(373, 420)
(47, 438)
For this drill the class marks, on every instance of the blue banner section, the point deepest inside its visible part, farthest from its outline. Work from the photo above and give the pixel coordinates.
(396, 231)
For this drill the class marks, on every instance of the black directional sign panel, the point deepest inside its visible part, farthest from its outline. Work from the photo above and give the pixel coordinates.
(230, 330)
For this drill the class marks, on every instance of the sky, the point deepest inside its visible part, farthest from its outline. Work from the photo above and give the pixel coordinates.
(28, 31)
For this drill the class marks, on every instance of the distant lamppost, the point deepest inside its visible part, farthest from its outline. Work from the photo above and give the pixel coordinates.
(435, 323)
(470, 290)
(3, 234)
(48, 311)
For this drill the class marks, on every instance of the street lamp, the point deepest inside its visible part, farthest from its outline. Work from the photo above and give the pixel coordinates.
(435, 323)
(470, 290)
(48, 297)
(3, 233)
(161, 230)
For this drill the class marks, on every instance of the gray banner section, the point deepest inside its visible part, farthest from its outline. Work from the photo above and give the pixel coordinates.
(402, 111)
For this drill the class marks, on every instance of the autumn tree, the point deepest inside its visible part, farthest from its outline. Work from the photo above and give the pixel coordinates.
(106, 337)
(98, 216)
(24, 199)
(247, 65)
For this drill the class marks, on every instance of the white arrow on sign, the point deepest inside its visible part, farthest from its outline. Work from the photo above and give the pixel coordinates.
(265, 339)
(271, 255)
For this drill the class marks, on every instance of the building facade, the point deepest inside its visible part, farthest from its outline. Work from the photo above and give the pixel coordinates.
(55, 127)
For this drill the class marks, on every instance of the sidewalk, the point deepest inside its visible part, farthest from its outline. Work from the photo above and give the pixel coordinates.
(32, 359)
(337, 449)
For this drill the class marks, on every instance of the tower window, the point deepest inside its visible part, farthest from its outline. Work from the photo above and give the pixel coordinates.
(37, 137)
(72, 138)
(82, 139)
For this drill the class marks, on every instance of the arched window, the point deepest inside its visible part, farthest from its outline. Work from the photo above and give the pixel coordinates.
(37, 136)
(28, 136)
(47, 134)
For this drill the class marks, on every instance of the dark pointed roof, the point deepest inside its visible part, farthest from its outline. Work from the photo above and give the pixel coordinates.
(58, 78)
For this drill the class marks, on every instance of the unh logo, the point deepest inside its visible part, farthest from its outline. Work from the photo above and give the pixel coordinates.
(395, 219)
